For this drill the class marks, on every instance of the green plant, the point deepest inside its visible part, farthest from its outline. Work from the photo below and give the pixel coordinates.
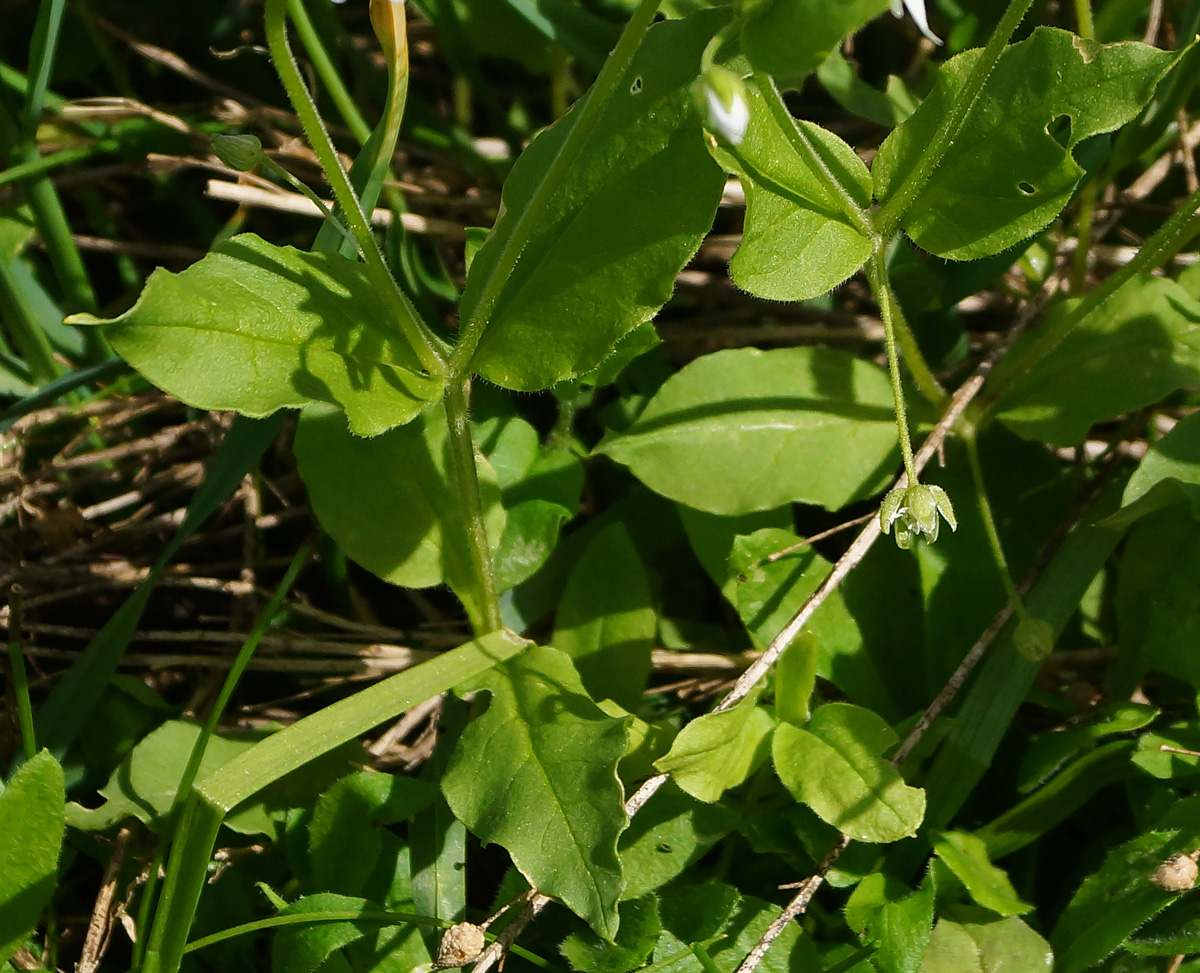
(832, 754)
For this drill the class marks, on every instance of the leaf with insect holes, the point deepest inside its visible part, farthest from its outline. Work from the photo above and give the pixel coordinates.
(1012, 169)
(537, 774)
(601, 257)
(255, 328)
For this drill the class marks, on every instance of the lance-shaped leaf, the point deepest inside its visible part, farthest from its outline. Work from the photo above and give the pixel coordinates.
(966, 855)
(537, 773)
(254, 328)
(31, 834)
(1141, 344)
(796, 243)
(745, 430)
(602, 256)
(835, 767)
(1011, 170)
(392, 502)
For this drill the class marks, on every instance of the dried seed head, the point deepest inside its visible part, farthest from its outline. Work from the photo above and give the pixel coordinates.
(461, 945)
(1176, 874)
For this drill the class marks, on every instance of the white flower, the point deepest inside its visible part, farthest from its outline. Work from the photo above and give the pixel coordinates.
(724, 103)
(916, 10)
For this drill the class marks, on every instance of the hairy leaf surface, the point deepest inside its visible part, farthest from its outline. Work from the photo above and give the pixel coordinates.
(1012, 170)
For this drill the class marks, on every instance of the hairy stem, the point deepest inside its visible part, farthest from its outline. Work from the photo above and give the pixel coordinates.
(423, 343)
(989, 522)
(889, 217)
(877, 275)
(466, 476)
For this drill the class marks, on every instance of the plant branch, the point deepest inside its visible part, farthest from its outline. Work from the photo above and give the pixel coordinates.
(423, 343)
(859, 218)
(568, 152)
(889, 217)
(466, 476)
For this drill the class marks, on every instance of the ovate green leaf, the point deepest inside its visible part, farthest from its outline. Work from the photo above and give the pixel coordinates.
(986, 947)
(835, 768)
(966, 856)
(718, 751)
(897, 920)
(796, 243)
(254, 328)
(605, 621)
(745, 430)
(603, 255)
(537, 773)
(1141, 344)
(31, 834)
(1011, 171)
(391, 502)
(636, 937)
(1170, 470)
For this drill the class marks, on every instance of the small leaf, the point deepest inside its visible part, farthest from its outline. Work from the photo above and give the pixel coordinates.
(835, 768)
(1169, 470)
(745, 430)
(636, 938)
(987, 947)
(391, 502)
(304, 948)
(790, 38)
(1141, 344)
(718, 751)
(795, 677)
(254, 328)
(796, 243)
(668, 836)
(605, 621)
(898, 921)
(31, 835)
(603, 255)
(537, 773)
(1181, 759)
(1007, 176)
(966, 856)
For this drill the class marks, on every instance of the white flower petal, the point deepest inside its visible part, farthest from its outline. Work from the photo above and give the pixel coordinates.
(732, 120)
(916, 10)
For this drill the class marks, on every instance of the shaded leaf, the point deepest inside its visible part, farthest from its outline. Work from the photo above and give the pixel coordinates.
(304, 948)
(254, 328)
(1141, 344)
(718, 751)
(605, 621)
(745, 430)
(636, 938)
(31, 835)
(835, 768)
(669, 835)
(537, 773)
(391, 502)
(796, 243)
(1169, 471)
(1007, 176)
(603, 255)
(790, 38)
(897, 920)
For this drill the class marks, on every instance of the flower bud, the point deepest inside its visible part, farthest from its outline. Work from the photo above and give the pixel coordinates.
(1034, 639)
(914, 512)
(462, 944)
(1176, 874)
(722, 100)
(387, 18)
(240, 152)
